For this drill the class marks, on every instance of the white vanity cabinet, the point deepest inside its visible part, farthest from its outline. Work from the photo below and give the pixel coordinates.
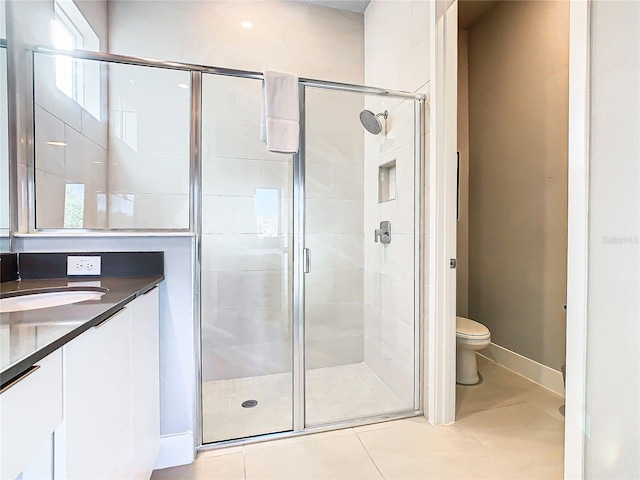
(30, 411)
(94, 440)
(111, 427)
(145, 384)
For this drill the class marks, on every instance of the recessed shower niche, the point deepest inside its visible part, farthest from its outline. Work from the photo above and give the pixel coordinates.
(387, 182)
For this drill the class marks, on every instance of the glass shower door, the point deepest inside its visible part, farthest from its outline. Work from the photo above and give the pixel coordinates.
(246, 268)
(360, 291)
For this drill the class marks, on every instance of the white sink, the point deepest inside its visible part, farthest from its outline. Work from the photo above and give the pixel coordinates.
(35, 300)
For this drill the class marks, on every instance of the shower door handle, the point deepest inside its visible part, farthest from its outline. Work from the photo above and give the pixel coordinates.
(306, 261)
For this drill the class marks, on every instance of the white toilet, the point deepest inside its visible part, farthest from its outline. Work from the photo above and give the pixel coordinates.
(470, 337)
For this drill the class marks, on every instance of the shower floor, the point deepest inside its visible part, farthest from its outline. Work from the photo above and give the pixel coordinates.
(333, 394)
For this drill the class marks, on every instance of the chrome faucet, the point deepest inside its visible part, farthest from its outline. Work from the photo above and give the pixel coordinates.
(384, 232)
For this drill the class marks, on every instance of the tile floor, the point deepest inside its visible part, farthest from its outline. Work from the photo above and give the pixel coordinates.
(506, 428)
(333, 394)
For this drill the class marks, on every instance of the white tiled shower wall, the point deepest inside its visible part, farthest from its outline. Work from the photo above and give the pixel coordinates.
(334, 188)
(246, 268)
(396, 56)
(246, 313)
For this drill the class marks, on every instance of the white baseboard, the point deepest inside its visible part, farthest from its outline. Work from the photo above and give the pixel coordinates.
(530, 369)
(176, 450)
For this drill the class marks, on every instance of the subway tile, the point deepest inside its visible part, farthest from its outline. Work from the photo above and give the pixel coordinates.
(252, 289)
(241, 252)
(49, 158)
(230, 215)
(246, 361)
(237, 139)
(335, 144)
(335, 251)
(120, 211)
(335, 351)
(160, 211)
(130, 172)
(230, 176)
(96, 129)
(85, 161)
(277, 175)
(228, 327)
(333, 321)
(334, 216)
(334, 286)
(49, 97)
(50, 198)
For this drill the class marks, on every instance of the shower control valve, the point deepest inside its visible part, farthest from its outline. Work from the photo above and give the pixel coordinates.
(384, 232)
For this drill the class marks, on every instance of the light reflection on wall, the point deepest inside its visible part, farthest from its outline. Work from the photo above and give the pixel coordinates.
(267, 212)
(122, 204)
(126, 125)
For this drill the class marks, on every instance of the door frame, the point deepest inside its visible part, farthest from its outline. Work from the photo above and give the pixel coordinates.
(578, 237)
(440, 407)
(440, 394)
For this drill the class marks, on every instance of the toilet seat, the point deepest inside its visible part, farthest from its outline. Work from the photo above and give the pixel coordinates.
(470, 330)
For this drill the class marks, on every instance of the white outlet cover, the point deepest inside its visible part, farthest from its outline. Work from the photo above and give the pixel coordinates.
(84, 265)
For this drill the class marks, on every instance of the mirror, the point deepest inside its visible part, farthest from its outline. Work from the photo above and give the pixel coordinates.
(113, 154)
(4, 136)
(111, 143)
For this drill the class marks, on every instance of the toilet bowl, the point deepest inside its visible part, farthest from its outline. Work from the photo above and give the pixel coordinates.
(470, 337)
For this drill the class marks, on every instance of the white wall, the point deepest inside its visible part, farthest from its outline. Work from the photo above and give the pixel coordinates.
(518, 54)
(613, 362)
(308, 40)
(462, 237)
(397, 57)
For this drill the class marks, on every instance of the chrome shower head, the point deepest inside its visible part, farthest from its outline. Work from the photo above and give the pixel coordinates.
(371, 122)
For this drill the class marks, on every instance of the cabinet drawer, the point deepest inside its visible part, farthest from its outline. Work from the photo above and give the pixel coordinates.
(30, 410)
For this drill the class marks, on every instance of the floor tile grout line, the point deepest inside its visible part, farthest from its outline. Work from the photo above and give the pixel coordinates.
(368, 453)
(494, 407)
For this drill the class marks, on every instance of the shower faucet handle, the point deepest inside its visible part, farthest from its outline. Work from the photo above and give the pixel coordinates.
(384, 232)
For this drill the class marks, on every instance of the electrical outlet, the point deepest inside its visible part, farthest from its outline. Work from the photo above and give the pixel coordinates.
(77, 265)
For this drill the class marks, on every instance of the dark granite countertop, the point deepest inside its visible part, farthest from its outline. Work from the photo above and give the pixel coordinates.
(28, 336)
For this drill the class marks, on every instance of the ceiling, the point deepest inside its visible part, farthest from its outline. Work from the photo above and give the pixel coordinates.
(469, 11)
(358, 6)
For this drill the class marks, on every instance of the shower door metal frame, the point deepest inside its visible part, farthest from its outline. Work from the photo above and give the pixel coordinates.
(299, 255)
(299, 206)
(298, 297)
(195, 224)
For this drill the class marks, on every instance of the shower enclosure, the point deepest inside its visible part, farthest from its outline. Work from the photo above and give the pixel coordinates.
(306, 267)
(308, 319)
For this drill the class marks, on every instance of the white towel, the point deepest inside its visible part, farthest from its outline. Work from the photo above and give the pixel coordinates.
(280, 126)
